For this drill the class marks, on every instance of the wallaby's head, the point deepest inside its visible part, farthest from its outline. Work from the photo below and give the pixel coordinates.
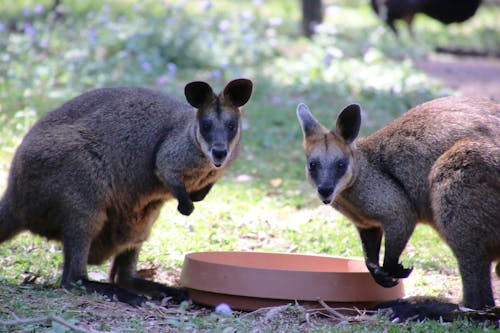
(329, 153)
(218, 117)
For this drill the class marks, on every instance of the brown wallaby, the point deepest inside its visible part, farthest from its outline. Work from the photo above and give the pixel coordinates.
(95, 172)
(438, 164)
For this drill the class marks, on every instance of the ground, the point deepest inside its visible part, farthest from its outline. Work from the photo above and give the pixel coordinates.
(471, 76)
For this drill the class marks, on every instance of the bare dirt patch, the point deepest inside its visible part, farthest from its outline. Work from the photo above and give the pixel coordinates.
(470, 76)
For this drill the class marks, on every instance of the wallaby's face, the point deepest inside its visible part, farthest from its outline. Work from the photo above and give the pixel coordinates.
(218, 117)
(329, 154)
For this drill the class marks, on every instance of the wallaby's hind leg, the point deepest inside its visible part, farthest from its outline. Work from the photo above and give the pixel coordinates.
(76, 241)
(124, 274)
(9, 225)
(465, 187)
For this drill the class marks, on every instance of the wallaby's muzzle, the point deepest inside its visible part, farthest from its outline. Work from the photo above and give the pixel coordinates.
(325, 193)
(218, 155)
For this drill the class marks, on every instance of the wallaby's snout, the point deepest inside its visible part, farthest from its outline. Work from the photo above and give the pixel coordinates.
(219, 123)
(218, 155)
(325, 192)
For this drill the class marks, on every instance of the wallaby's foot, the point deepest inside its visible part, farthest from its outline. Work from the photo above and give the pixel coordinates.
(382, 277)
(185, 208)
(178, 295)
(109, 290)
(420, 308)
(398, 271)
(156, 291)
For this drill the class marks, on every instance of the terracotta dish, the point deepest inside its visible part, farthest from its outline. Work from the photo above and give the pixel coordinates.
(251, 280)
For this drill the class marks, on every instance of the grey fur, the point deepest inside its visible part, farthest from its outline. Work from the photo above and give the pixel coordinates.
(95, 172)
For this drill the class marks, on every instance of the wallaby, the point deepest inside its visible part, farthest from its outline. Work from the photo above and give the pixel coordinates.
(95, 172)
(445, 11)
(439, 164)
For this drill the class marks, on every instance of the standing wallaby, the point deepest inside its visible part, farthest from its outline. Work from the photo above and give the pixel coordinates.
(437, 164)
(95, 172)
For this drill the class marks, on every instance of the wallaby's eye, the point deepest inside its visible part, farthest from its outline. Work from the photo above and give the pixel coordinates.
(313, 165)
(231, 126)
(341, 166)
(206, 126)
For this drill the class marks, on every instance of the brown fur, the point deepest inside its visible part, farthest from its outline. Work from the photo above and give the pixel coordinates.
(95, 173)
(438, 164)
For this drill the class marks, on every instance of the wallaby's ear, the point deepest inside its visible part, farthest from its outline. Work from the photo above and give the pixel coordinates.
(307, 122)
(198, 93)
(238, 91)
(348, 123)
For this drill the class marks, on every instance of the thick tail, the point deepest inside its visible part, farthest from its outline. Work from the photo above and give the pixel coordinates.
(9, 225)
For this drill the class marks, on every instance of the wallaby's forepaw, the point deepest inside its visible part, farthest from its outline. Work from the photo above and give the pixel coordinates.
(383, 278)
(398, 271)
(195, 196)
(185, 208)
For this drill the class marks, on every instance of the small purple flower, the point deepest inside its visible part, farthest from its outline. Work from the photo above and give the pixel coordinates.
(2, 27)
(170, 21)
(205, 5)
(172, 68)
(247, 15)
(275, 21)
(29, 29)
(103, 19)
(39, 10)
(257, 3)
(224, 25)
(124, 54)
(327, 60)
(270, 32)
(247, 39)
(146, 66)
(92, 37)
(26, 12)
(216, 73)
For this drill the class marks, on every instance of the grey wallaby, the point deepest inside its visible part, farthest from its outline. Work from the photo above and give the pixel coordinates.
(439, 164)
(95, 172)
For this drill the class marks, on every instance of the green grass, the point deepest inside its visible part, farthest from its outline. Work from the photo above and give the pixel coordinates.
(264, 202)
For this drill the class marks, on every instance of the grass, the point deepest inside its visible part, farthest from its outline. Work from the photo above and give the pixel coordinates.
(264, 202)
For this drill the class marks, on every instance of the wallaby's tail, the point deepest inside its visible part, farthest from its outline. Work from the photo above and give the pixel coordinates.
(9, 226)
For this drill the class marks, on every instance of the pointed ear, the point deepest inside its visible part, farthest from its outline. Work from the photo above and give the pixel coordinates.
(198, 93)
(348, 123)
(307, 122)
(238, 92)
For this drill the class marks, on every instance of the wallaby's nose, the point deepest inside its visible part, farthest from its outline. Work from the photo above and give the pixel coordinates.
(325, 191)
(219, 154)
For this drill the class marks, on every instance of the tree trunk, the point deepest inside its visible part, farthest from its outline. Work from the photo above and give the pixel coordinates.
(312, 15)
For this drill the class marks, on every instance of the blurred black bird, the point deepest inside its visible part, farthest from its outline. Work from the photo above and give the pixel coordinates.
(445, 11)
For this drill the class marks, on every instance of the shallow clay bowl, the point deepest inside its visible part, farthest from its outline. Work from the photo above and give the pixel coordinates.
(251, 280)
